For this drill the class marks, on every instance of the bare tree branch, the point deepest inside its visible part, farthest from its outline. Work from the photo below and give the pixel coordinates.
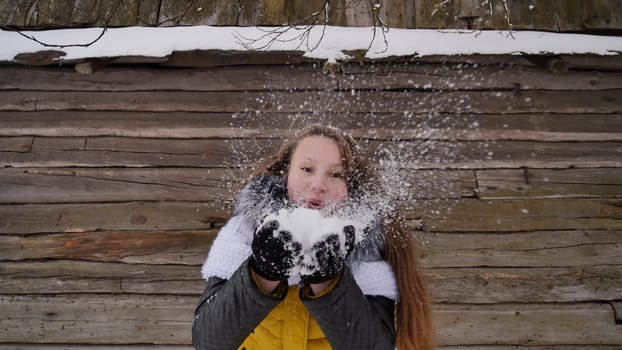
(378, 23)
(320, 17)
(61, 46)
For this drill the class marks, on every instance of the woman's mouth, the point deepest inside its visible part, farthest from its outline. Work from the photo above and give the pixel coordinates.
(314, 203)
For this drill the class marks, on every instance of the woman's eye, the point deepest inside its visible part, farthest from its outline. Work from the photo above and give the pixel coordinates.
(338, 175)
(305, 169)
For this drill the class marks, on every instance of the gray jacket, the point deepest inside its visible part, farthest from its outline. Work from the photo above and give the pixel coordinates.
(230, 309)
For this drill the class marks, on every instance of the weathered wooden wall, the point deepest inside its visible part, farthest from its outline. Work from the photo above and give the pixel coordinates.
(553, 15)
(113, 185)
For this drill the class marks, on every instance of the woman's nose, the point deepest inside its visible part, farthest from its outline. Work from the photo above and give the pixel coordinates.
(318, 184)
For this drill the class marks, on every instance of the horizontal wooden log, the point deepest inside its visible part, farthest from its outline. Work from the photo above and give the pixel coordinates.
(584, 62)
(419, 154)
(447, 285)
(93, 319)
(519, 215)
(16, 144)
(74, 185)
(522, 285)
(436, 250)
(575, 248)
(522, 347)
(181, 248)
(236, 78)
(131, 153)
(31, 346)
(464, 76)
(105, 278)
(533, 324)
(465, 215)
(37, 185)
(412, 126)
(547, 183)
(139, 319)
(112, 216)
(602, 101)
(413, 75)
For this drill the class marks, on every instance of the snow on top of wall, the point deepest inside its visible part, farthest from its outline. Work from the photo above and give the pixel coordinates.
(323, 42)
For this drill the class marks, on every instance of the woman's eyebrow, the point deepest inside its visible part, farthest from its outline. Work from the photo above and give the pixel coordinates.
(313, 160)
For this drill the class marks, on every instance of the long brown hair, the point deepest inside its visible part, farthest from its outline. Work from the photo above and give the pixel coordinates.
(413, 312)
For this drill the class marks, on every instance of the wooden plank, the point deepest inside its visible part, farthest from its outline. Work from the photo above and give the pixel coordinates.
(463, 76)
(435, 215)
(587, 62)
(129, 152)
(236, 78)
(602, 101)
(410, 126)
(60, 143)
(518, 215)
(547, 183)
(526, 347)
(379, 75)
(41, 185)
(501, 154)
(85, 319)
(465, 215)
(16, 144)
(31, 346)
(145, 247)
(524, 285)
(574, 248)
(74, 185)
(53, 277)
(533, 324)
(447, 285)
(617, 307)
(112, 216)
(436, 250)
(418, 154)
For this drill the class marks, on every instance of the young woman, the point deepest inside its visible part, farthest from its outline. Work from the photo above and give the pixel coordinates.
(263, 292)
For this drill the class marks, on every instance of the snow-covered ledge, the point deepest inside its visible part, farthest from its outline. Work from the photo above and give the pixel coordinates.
(325, 43)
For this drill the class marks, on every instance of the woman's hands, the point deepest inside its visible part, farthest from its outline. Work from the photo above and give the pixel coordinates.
(274, 252)
(277, 254)
(325, 259)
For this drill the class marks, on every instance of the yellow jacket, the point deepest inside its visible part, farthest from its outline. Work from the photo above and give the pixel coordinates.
(287, 326)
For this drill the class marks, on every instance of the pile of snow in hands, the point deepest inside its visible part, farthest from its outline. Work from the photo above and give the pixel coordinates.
(310, 226)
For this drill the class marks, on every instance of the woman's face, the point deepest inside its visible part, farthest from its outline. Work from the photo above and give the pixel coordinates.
(316, 177)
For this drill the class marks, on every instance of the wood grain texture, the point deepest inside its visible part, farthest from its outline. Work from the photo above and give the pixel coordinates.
(382, 126)
(436, 250)
(418, 75)
(385, 101)
(208, 153)
(465, 215)
(447, 285)
(543, 183)
(80, 185)
(113, 185)
(167, 320)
